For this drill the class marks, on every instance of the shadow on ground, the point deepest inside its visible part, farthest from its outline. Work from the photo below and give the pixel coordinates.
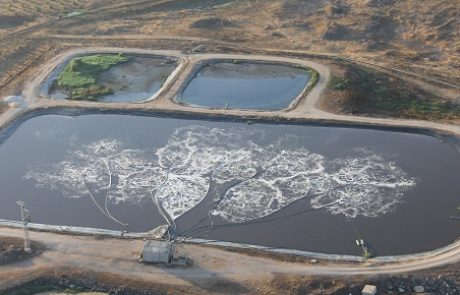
(209, 281)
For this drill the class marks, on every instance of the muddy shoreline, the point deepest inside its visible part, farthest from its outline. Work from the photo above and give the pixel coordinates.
(48, 87)
(198, 66)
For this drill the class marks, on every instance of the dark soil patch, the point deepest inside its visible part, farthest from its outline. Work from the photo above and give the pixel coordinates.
(12, 250)
(71, 285)
(360, 91)
(447, 23)
(380, 3)
(382, 28)
(337, 9)
(11, 21)
(212, 23)
(295, 8)
(338, 32)
(71, 281)
(403, 284)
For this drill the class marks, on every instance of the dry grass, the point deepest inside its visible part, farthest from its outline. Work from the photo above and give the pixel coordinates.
(417, 35)
(43, 8)
(420, 35)
(18, 56)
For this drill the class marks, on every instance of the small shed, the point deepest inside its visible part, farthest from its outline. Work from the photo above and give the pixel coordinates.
(158, 252)
(369, 290)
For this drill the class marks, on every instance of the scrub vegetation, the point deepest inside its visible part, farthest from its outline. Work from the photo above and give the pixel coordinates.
(314, 77)
(357, 90)
(338, 83)
(80, 76)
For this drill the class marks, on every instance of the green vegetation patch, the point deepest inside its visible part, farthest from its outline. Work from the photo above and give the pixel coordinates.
(364, 91)
(338, 83)
(421, 108)
(81, 75)
(314, 77)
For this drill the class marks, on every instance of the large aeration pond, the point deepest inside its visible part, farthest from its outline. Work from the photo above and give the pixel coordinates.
(315, 188)
(245, 85)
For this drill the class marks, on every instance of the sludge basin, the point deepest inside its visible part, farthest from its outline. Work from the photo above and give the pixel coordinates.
(138, 79)
(313, 188)
(245, 85)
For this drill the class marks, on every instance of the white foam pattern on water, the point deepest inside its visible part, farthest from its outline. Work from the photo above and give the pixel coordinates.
(254, 179)
(366, 185)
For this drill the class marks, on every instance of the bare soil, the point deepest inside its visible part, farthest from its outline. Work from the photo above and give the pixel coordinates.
(439, 281)
(112, 264)
(420, 36)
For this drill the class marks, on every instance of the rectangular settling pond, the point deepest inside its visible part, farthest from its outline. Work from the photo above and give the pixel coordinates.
(245, 85)
(294, 186)
(134, 78)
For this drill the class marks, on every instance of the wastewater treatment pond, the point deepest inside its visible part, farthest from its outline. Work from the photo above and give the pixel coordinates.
(315, 188)
(245, 85)
(109, 77)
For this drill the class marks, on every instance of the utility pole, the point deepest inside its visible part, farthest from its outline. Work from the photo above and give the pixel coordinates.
(25, 216)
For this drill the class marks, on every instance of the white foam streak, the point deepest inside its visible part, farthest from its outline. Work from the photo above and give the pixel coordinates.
(260, 179)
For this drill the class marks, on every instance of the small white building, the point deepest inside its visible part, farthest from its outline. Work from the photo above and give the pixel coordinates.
(158, 252)
(369, 290)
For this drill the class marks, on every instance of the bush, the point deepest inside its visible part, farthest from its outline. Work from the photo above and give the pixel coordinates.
(338, 83)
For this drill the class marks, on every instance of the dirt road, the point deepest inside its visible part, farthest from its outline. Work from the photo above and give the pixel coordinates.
(120, 257)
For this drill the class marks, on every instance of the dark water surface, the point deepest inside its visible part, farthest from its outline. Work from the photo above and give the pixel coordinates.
(50, 160)
(244, 85)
